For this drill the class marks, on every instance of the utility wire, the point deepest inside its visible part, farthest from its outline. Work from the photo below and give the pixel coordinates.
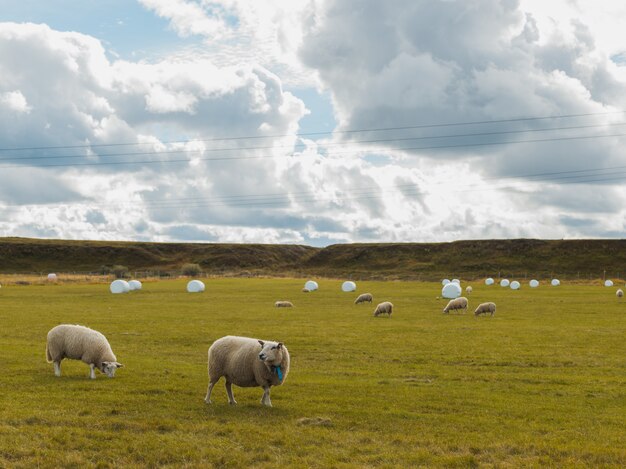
(235, 158)
(182, 150)
(332, 132)
(362, 193)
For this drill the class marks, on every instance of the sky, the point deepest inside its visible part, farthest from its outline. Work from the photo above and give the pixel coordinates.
(312, 121)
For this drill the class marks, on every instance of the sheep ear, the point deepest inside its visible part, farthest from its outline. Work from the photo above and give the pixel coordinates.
(279, 346)
(119, 365)
(262, 343)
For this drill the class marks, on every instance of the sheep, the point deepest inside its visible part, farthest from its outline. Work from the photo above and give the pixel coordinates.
(80, 343)
(283, 304)
(485, 308)
(619, 293)
(468, 290)
(364, 297)
(384, 308)
(457, 303)
(247, 362)
(305, 290)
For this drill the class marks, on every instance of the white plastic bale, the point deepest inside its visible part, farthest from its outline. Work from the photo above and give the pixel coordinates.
(515, 285)
(119, 286)
(134, 285)
(456, 280)
(489, 281)
(52, 277)
(608, 283)
(504, 282)
(451, 290)
(195, 286)
(445, 281)
(555, 282)
(348, 286)
(533, 283)
(311, 285)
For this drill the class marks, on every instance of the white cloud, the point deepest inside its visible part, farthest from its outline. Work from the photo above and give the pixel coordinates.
(14, 101)
(236, 32)
(385, 64)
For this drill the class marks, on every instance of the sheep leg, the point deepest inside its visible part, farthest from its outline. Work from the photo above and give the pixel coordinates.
(92, 372)
(265, 400)
(207, 399)
(57, 368)
(229, 391)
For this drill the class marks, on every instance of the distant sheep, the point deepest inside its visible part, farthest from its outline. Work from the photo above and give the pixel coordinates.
(485, 308)
(619, 293)
(363, 298)
(468, 290)
(305, 290)
(457, 303)
(247, 363)
(384, 308)
(80, 343)
(283, 304)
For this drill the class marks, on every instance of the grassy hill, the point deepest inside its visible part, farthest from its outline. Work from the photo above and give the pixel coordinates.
(425, 261)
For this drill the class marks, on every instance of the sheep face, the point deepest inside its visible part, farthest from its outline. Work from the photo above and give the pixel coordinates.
(109, 368)
(271, 353)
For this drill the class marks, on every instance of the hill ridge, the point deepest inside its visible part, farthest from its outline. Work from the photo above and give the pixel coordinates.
(582, 258)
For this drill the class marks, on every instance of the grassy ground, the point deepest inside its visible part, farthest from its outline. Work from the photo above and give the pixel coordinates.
(540, 384)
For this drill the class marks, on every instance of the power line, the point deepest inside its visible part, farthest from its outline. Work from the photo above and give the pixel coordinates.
(332, 132)
(235, 158)
(361, 193)
(178, 151)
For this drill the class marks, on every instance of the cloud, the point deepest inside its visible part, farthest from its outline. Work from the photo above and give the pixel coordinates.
(14, 101)
(383, 64)
(235, 32)
(409, 63)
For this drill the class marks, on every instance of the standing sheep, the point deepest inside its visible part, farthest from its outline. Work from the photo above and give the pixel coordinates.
(457, 303)
(283, 304)
(247, 363)
(80, 343)
(619, 293)
(364, 297)
(485, 308)
(384, 308)
(468, 290)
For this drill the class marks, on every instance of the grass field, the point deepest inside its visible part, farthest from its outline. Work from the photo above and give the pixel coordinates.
(543, 383)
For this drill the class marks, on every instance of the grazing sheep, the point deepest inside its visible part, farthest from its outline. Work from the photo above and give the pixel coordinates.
(247, 363)
(619, 293)
(485, 308)
(469, 290)
(384, 308)
(364, 297)
(283, 304)
(80, 343)
(305, 290)
(457, 303)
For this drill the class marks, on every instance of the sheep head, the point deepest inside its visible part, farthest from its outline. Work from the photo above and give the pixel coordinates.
(109, 368)
(271, 353)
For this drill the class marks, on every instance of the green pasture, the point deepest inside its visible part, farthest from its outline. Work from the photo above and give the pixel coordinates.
(542, 383)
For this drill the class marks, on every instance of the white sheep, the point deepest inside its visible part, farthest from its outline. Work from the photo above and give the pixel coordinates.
(247, 363)
(384, 308)
(485, 308)
(457, 303)
(80, 343)
(468, 290)
(619, 293)
(283, 304)
(363, 298)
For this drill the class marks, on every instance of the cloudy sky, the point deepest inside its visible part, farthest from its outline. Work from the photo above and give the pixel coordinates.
(312, 121)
